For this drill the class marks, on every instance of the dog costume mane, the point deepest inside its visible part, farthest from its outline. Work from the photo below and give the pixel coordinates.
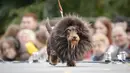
(58, 40)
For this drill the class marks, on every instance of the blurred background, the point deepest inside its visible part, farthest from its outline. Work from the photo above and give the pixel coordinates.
(30, 22)
(11, 11)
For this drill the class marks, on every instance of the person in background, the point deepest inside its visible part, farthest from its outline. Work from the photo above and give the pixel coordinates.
(128, 30)
(120, 42)
(29, 21)
(100, 46)
(120, 21)
(12, 31)
(103, 25)
(88, 54)
(92, 28)
(24, 36)
(128, 34)
(29, 44)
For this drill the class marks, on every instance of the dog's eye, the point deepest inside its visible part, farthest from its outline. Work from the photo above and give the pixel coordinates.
(68, 30)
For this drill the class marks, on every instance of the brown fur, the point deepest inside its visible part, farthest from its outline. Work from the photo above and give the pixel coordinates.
(60, 48)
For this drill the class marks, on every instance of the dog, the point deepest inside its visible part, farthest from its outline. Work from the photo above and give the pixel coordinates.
(68, 41)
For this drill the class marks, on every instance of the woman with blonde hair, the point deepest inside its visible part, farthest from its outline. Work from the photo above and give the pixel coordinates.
(29, 44)
(100, 46)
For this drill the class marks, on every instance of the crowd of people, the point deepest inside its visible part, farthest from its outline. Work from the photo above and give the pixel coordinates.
(19, 42)
(111, 36)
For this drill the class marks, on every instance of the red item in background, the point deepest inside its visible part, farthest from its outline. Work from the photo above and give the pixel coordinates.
(129, 46)
(88, 54)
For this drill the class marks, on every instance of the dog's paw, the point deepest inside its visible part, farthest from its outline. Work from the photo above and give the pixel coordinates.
(71, 64)
(53, 64)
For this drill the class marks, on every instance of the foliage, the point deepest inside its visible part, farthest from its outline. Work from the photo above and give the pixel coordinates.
(11, 11)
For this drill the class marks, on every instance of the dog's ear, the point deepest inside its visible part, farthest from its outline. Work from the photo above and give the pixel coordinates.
(48, 26)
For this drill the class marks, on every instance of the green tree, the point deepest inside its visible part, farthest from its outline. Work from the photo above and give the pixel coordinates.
(11, 11)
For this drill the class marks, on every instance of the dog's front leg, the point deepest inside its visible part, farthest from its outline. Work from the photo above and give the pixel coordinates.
(71, 63)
